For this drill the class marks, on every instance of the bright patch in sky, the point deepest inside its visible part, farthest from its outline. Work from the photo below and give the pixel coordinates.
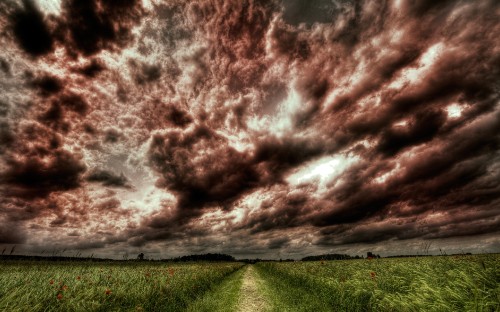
(322, 171)
(50, 6)
(414, 75)
(454, 111)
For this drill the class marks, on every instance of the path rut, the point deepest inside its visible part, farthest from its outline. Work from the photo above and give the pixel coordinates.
(251, 299)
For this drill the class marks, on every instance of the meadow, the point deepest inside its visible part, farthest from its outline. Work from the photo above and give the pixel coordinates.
(448, 283)
(111, 286)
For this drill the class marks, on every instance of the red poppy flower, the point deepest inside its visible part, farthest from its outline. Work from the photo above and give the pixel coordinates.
(51, 282)
(65, 287)
(59, 296)
(78, 278)
(372, 274)
(108, 292)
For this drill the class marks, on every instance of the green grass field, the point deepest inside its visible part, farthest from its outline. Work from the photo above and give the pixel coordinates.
(464, 283)
(134, 286)
(453, 283)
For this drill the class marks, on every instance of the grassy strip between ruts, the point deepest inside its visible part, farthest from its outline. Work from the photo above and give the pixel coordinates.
(139, 286)
(468, 283)
(285, 293)
(221, 298)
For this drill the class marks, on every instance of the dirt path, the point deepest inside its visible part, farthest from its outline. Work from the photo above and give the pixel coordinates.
(251, 300)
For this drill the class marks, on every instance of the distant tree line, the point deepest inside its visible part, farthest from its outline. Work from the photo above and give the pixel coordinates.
(212, 257)
(205, 257)
(330, 257)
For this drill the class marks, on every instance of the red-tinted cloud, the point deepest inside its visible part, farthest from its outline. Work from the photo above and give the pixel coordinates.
(288, 124)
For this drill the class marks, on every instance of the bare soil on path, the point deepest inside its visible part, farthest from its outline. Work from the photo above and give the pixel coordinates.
(251, 299)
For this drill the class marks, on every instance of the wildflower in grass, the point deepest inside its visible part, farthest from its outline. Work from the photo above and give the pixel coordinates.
(51, 282)
(64, 287)
(59, 296)
(171, 271)
(148, 274)
(108, 292)
(373, 274)
(78, 278)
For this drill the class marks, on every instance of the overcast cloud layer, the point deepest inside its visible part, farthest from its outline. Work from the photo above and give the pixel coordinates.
(255, 128)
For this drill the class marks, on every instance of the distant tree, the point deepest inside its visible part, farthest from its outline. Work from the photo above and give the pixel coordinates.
(140, 256)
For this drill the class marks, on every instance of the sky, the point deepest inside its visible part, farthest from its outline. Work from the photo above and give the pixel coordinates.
(261, 129)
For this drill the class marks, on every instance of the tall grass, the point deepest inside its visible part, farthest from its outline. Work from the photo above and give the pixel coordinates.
(137, 286)
(464, 283)
(222, 298)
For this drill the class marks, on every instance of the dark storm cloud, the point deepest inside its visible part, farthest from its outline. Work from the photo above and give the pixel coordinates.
(34, 163)
(159, 115)
(47, 85)
(41, 163)
(6, 137)
(92, 69)
(220, 177)
(31, 31)
(5, 67)
(467, 228)
(422, 129)
(39, 175)
(291, 43)
(179, 117)
(4, 109)
(447, 177)
(75, 103)
(145, 73)
(285, 210)
(108, 178)
(12, 234)
(87, 27)
(83, 27)
(61, 112)
(277, 242)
